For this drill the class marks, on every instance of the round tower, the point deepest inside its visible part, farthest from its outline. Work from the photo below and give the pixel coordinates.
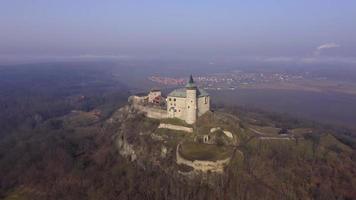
(191, 101)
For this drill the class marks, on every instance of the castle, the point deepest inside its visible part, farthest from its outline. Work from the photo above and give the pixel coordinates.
(188, 103)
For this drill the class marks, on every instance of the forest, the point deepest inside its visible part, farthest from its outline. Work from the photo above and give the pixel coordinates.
(47, 152)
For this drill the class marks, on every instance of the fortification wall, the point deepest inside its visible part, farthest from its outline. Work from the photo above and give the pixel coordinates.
(202, 165)
(176, 127)
(227, 133)
(152, 112)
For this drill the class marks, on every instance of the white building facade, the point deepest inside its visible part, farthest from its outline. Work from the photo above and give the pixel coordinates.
(188, 103)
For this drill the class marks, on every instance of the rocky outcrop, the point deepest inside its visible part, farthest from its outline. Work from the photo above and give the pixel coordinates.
(126, 149)
(163, 151)
(138, 141)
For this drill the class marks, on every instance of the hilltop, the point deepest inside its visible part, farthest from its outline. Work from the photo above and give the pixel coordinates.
(298, 162)
(127, 156)
(86, 142)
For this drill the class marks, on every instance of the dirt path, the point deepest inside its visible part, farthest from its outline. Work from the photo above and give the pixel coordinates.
(263, 136)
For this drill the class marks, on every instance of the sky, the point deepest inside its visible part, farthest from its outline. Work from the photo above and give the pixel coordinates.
(271, 30)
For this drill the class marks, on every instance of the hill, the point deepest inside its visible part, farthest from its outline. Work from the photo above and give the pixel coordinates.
(82, 161)
(87, 143)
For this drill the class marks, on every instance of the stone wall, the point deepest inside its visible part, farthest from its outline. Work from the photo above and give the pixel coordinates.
(152, 112)
(227, 133)
(202, 165)
(176, 127)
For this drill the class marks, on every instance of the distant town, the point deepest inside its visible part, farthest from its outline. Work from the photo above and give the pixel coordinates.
(231, 81)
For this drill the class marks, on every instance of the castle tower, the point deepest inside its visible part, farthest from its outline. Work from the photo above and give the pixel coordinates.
(191, 101)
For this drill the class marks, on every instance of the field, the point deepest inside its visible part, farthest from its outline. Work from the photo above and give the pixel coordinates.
(333, 108)
(193, 151)
(175, 121)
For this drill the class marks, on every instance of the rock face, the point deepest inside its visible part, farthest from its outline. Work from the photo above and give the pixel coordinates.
(163, 152)
(137, 141)
(126, 149)
(150, 143)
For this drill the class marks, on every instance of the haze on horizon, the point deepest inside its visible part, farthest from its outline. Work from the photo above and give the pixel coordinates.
(269, 30)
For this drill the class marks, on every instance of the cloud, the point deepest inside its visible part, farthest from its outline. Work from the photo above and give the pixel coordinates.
(325, 46)
(328, 46)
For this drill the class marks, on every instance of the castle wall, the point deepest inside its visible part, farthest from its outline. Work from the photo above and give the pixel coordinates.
(202, 165)
(203, 105)
(150, 112)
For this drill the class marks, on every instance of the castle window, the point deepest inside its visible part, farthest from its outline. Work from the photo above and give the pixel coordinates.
(170, 99)
(191, 101)
(206, 100)
(188, 106)
(174, 99)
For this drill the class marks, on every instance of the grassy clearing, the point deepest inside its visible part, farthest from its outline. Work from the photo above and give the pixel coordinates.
(217, 119)
(149, 124)
(195, 151)
(333, 144)
(301, 131)
(171, 133)
(175, 121)
(80, 118)
(173, 137)
(266, 130)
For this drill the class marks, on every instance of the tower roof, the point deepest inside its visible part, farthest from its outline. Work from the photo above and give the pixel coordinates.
(182, 92)
(191, 79)
(190, 83)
